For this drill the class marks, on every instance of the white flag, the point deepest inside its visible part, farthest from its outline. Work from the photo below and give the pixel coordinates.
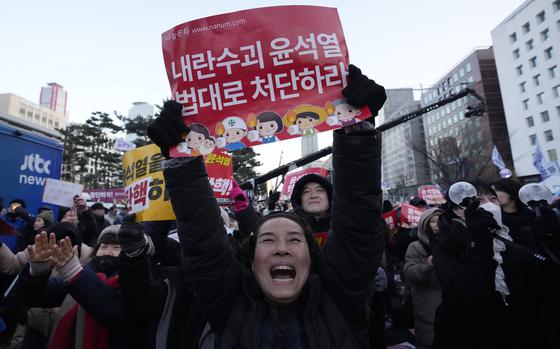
(497, 158)
(123, 145)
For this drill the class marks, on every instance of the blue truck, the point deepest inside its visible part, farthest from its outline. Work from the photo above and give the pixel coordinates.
(29, 154)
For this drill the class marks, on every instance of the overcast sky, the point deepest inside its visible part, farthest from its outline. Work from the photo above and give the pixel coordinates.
(107, 54)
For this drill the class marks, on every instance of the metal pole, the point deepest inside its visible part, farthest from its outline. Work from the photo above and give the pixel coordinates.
(281, 170)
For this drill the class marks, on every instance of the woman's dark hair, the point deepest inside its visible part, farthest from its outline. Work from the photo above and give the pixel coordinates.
(511, 187)
(199, 128)
(232, 215)
(387, 206)
(18, 201)
(449, 206)
(314, 249)
(483, 188)
(268, 116)
(61, 212)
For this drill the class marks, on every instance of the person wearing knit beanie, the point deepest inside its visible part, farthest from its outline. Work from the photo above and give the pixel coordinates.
(43, 220)
(92, 313)
(112, 229)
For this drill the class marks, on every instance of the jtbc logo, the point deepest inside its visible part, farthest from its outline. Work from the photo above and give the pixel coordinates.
(34, 163)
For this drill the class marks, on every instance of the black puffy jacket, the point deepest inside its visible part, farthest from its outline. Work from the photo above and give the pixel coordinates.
(471, 314)
(332, 305)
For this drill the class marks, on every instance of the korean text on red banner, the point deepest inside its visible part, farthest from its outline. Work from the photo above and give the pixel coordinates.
(391, 219)
(145, 186)
(410, 215)
(431, 194)
(219, 167)
(258, 76)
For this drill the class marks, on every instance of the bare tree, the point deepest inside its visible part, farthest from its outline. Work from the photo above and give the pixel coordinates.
(458, 157)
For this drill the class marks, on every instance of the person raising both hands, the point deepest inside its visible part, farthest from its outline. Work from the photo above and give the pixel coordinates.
(91, 307)
(295, 295)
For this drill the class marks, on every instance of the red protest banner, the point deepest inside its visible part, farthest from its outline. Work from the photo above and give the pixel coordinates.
(291, 179)
(391, 219)
(106, 195)
(431, 195)
(410, 215)
(258, 76)
(219, 167)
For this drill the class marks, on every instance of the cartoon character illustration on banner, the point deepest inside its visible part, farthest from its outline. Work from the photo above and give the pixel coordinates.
(344, 114)
(265, 127)
(230, 132)
(208, 146)
(303, 119)
(197, 141)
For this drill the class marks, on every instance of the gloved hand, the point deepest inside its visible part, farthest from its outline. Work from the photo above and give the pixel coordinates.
(471, 205)
(479, 217)
(131, 237)
(168, 129)
(362, 91)
(380, 282)
(239, 197)
(80, 204)
(273, 198)
(546, 223)
(481, 223)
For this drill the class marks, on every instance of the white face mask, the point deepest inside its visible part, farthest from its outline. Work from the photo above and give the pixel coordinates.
(495, 210)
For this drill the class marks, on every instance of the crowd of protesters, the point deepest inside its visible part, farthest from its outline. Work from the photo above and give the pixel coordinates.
(320, 271)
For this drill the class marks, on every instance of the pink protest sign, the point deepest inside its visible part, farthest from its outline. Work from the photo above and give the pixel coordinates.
(258, 76)
(431, 195)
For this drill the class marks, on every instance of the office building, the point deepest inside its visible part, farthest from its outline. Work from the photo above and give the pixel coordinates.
(527, 53)
(404, 163)
(31, 112)
(54, 97)
(460, 147)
